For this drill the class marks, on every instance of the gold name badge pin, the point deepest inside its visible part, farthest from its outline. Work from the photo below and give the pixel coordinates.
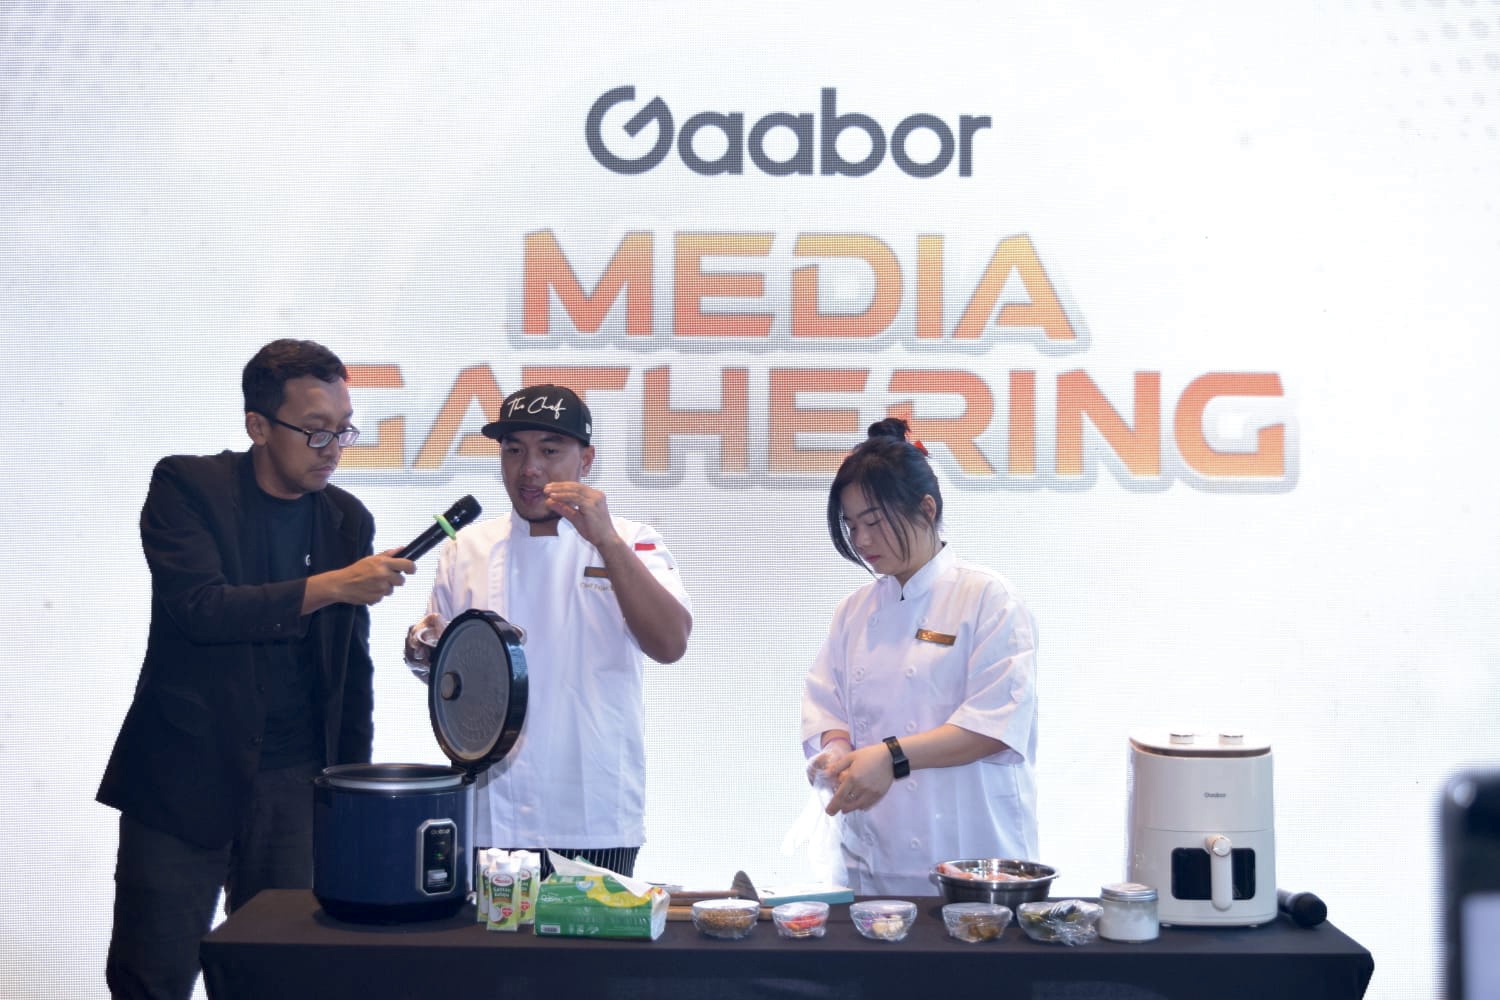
(941, 638)
(596, 571)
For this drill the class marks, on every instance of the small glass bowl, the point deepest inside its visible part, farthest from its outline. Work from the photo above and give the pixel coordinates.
(801, 919)
(975, 922)
(730, 919)
(883, 919)
(1065, 921)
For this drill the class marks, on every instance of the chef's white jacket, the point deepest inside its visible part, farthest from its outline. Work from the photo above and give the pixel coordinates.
(955, 645)
(576, 775)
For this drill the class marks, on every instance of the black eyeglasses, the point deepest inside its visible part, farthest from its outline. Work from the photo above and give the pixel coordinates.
(320, 439)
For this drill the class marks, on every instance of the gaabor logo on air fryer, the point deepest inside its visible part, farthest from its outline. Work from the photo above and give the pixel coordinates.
(813, 136)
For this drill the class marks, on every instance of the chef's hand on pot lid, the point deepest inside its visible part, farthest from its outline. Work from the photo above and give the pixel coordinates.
(422, 638)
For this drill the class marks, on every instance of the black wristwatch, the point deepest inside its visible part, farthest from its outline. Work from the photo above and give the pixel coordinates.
(900, 766)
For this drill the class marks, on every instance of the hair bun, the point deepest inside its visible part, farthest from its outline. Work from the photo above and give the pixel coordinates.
(890, 427)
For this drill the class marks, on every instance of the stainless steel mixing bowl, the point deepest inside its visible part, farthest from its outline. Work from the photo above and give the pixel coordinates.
(1023, 881)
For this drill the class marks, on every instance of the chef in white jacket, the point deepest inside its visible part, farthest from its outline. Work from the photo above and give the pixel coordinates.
(594, 594)
(921, 706)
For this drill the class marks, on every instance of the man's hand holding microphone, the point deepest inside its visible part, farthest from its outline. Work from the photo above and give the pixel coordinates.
(367, 581)
(373, 578)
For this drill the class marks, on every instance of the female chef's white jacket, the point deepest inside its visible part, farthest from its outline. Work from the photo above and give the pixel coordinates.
(955, 645)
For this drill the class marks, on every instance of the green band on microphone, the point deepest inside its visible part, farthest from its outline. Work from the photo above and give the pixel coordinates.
(452, 533)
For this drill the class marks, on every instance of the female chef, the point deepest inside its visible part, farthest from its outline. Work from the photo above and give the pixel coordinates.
(920, 709)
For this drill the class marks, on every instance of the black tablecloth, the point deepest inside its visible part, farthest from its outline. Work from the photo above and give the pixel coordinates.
(282, 946)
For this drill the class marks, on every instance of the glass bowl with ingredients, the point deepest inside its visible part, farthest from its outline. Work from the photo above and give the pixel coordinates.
(801, 919)
(973, 922)
(883, 919)
(730, 919)
(1064, 921)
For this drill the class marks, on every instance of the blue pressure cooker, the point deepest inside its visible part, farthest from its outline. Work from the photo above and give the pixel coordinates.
(390, 841)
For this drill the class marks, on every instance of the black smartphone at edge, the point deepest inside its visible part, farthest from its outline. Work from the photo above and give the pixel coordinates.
(1471, 884)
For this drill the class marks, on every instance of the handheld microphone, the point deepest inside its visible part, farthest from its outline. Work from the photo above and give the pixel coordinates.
(460, 514)
(1305, 909)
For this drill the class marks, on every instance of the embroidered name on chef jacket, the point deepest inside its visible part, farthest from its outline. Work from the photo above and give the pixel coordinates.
(596, 578)
(941, 638)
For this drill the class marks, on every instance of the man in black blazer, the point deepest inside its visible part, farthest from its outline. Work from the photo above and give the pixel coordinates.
(257, 671)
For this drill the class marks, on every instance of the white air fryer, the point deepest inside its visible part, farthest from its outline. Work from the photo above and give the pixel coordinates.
(1201, 829)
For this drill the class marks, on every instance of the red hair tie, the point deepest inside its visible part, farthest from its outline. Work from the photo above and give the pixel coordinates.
(917, 444)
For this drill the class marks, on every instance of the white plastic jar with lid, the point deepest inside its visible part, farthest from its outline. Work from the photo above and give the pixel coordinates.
(1129, 913)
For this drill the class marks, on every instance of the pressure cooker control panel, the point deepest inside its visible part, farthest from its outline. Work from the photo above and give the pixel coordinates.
(437, 857)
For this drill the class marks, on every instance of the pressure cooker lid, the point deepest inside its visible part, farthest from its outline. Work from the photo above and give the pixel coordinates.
(477, 696)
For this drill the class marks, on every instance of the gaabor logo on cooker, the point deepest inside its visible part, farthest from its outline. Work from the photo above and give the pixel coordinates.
(912, 137)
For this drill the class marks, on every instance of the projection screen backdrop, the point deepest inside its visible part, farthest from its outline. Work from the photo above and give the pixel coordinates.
(1193, 306)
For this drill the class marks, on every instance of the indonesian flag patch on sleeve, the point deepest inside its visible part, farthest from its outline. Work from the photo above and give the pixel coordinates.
(645, 546)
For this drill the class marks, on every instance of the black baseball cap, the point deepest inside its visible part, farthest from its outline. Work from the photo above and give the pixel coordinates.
(543, 408)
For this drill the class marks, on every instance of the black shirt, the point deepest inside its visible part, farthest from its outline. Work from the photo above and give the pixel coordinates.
(287, 674)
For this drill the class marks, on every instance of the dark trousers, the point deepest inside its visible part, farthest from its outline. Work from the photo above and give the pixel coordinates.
(166, 889)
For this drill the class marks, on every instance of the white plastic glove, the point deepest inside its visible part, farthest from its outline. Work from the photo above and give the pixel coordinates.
(820, 768)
